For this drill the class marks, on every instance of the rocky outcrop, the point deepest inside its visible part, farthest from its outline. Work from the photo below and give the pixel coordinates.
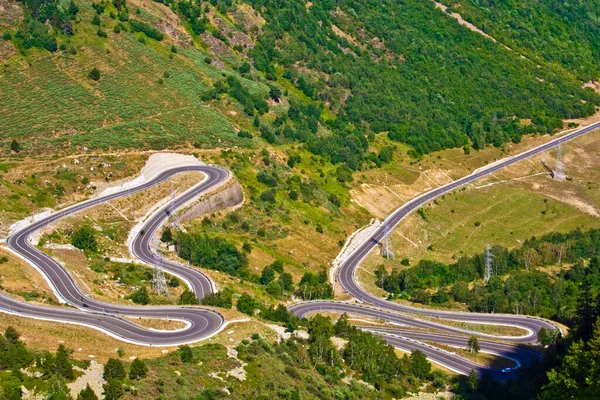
(226, 196)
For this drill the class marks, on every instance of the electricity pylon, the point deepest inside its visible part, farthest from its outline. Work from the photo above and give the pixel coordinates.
(559, 171)
(386, 242)
(488, 263)
(159, 281)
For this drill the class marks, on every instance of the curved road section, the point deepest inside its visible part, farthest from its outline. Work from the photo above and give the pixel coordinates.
(347, 278)
(202, 322)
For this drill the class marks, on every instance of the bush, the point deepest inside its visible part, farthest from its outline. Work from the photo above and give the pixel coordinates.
(223, 299)
(85, 239)
(246, 304)
(268, 196)
(94, 74)
(188, 298)
(185, 354)
(138, 369)
(114, 369)
(101, 33)
(140, 296)
(245, 134)
(148, 30)
(15, 146)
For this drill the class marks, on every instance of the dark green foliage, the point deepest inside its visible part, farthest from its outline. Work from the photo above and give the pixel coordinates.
(268, 274)
(247, 247)
(314, 286)
(63, 366)
(247, 304)
(114, 369)
(187, 298)
(419, 366)
(13, 352)
(268, 196)
(245, 134)
(15, 146)
(33, 33)
(113, 390)
(87, 394)
(84, 238)
(185, 354)
(148, 30)
(555, 297)
(94, 74)
(167, 235)
(473, 345)
(138, 369)
(285, 282)
(140, 296)
(223, 299)
(96, 20)
(211, 252)
(57, 389)
(416, 86)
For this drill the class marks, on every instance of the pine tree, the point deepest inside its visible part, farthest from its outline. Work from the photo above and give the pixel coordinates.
(473, 380)
(342, 326)
(62, 364)
(57, 389)
(113, 369)
(138, 369)
(113, 390)
(586, 313)
(87, 394)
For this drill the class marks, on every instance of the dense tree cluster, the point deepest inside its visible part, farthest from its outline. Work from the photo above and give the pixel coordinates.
(212, 253)
(555, 31)
(315, 286)
(46, 16)
(419, 87)
(524, 291)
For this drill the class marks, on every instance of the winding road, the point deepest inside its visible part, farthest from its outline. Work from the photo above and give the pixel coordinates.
(204, 322)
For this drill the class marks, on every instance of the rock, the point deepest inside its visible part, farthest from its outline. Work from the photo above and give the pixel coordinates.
(177, 373)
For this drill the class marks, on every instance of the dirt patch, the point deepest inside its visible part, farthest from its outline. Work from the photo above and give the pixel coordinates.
(593, 85)
(158, 324)
(461, 21)
(20, 278)
(93, 376)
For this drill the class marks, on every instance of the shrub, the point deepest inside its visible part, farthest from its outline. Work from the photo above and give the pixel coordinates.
(148, 30)
(140, 296)
(84, 238)
(114, 369)
(94, 74)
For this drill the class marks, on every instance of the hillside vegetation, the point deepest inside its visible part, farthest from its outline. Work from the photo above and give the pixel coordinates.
(328, 74)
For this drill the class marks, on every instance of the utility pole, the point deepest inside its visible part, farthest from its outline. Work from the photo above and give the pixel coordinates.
(488, 263)
(559, 172)
(386, 242)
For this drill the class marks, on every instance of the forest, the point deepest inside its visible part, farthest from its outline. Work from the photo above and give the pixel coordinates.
(516, 286)
(556, 31)
(440, 86)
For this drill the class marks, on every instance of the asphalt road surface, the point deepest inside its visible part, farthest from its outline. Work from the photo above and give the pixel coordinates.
(203, 322)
